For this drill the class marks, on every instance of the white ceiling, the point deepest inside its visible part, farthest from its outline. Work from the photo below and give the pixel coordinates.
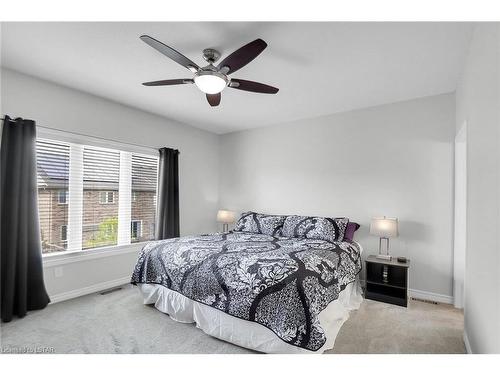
(320, 68)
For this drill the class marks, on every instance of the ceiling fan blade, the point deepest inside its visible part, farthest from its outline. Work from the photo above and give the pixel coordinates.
(214, 99)
(170, 52)
(241, 57)
(169, 82)
(252, 86)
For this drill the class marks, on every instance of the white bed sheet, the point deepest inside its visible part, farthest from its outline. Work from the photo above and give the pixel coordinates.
(244, 333)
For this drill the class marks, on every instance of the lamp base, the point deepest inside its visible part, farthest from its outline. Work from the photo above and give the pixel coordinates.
(384, 257)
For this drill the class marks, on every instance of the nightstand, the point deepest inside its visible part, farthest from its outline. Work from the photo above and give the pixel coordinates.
(387, 280)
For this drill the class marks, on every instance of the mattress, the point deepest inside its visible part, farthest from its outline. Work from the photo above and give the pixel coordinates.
(247, 334)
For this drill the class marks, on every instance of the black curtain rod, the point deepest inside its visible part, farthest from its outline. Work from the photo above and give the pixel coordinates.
(91, 136)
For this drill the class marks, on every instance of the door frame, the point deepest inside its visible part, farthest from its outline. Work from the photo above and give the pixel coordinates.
(460, 217)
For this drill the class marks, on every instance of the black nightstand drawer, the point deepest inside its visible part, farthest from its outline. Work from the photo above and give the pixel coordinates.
(387, 294)
(387, 281)
(396, 276)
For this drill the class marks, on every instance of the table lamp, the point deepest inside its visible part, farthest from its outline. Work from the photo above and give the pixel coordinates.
(225, 217)
(384, 228)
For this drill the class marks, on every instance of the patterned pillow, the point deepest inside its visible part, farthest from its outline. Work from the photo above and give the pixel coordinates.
(321, 228)
(260, 223)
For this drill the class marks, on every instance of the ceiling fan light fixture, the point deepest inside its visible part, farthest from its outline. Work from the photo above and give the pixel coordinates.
(210, 82)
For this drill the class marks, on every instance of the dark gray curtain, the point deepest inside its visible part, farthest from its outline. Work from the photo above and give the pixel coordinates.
(22, 285)
(167, 218)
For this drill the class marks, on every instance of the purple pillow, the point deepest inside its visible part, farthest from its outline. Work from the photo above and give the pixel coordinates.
(351, 228)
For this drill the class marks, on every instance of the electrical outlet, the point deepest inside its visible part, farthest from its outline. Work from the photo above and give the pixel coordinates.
(58, 272)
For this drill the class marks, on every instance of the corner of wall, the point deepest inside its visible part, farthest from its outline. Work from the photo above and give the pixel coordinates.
(468, 348)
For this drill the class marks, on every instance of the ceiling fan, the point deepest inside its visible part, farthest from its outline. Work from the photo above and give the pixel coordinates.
(213, 79)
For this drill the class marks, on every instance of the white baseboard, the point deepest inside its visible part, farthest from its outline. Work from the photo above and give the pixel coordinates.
(436, 297)
(88, 289)
(430, 296)
(442, 298)
(467, 343)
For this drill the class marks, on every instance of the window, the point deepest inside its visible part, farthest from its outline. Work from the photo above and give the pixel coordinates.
(87, 196)
(62, 197)
(53, 182)
(144, 171)
(64, 233)
(106, 197)
(135, 229)
(101, 175)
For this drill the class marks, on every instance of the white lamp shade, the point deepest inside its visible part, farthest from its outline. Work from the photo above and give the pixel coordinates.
(225, 216)
(384, 227)
(210, 84)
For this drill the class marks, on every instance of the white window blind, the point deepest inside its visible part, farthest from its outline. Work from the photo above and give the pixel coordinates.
(85, 196)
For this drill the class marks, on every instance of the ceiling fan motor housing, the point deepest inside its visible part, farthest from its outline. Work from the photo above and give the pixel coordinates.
(211, 55)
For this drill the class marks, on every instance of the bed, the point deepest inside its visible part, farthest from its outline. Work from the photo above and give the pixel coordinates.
(266, 292)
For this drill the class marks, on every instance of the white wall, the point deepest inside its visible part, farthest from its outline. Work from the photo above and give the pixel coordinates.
(478, 103)
(394, 160)
(63, 108)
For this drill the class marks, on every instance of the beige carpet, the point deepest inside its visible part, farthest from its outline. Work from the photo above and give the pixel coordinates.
(421, 328)
(120, 323)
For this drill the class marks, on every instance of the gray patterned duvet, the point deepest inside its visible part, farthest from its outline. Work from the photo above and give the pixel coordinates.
(281, 283)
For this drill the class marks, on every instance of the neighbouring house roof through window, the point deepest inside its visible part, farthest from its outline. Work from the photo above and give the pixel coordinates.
(101, 172)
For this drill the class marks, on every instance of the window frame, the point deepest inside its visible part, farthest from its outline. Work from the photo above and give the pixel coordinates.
(65, 240)
(70, 256)
(107, 193)
(65, 195)
(139, 232)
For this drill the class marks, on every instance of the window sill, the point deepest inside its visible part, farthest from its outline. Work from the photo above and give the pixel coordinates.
(53, 260)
